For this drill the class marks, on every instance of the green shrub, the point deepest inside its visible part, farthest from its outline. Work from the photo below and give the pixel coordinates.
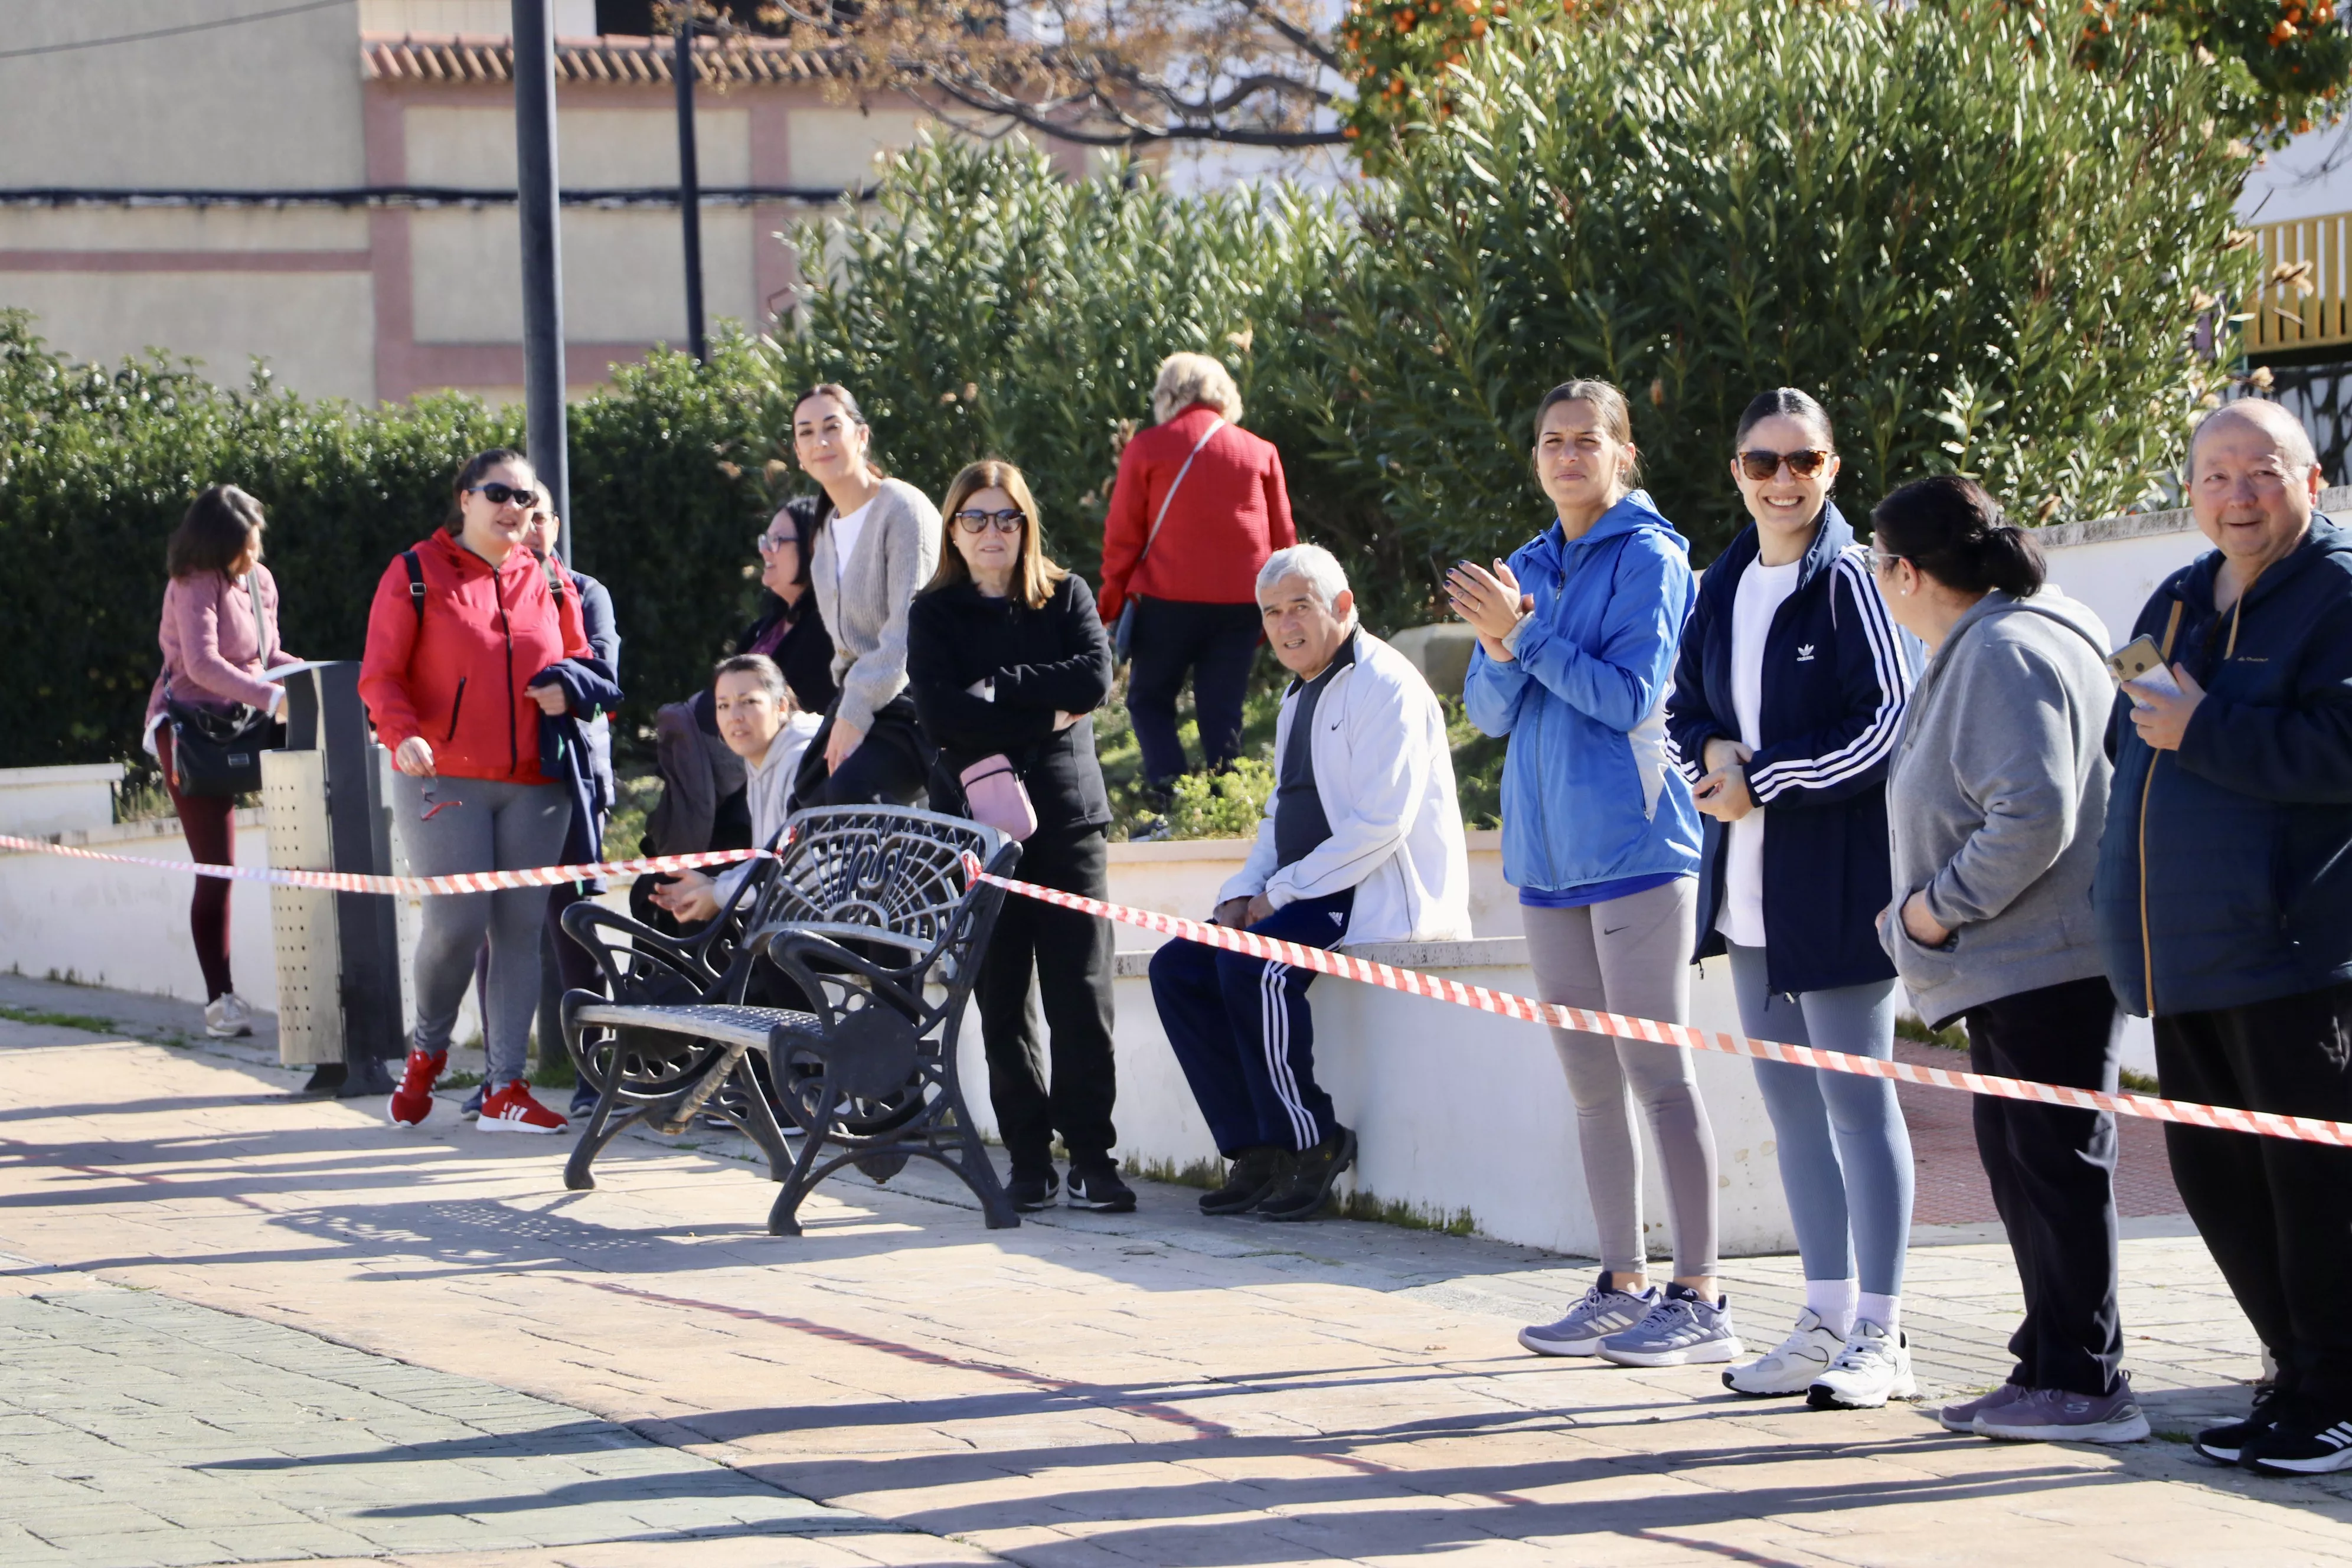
(1979, 258)
(98, 463)
(1228, 804)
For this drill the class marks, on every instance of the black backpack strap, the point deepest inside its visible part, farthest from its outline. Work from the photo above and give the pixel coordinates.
(415, 582)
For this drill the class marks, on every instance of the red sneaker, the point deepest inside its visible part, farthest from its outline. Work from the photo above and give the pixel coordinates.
(413, 1100)
(512, 1110)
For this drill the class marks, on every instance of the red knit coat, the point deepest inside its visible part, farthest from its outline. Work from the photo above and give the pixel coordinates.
(1230, 512)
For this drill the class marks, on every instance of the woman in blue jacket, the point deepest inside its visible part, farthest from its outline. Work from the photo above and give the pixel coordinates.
(1576, 640)
(1786, 705)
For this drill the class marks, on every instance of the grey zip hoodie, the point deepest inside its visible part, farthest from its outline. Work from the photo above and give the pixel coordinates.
(1995, 800)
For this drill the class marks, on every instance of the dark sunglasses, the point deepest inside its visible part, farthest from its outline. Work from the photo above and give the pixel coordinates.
(1006, 521)
(1760, 465)
(505, 495)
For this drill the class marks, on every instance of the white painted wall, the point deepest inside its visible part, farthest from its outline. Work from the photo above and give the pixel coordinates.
(273, 103)
(317, 330)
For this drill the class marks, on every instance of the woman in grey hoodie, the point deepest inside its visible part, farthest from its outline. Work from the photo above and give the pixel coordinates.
(1995, 802)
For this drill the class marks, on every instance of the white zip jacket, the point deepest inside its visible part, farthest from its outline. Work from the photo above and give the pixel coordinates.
(1386, 776)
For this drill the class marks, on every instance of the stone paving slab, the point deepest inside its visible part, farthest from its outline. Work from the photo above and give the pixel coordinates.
(142, 1429)
(1154, 1388)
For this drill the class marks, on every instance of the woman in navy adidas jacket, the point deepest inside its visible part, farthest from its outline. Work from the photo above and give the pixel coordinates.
(1787, 695)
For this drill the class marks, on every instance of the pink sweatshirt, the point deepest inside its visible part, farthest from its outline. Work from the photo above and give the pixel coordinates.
(213, 647)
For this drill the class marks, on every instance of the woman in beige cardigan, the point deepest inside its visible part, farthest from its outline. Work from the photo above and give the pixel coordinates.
(878, 544)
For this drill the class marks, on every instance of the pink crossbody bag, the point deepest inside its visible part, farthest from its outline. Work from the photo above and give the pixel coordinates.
(995, 797)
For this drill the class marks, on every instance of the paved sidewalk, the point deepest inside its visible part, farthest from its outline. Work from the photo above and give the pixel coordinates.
(1152, 1389)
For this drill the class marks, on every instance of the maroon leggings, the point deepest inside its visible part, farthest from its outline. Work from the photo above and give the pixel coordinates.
(211, 827)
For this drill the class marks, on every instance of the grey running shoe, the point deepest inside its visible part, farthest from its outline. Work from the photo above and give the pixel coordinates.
(1874, 1367)
(2056, 1415)
(1791, 1367)
(1680, 1329)
(1602, 1312)
(1962, 1415)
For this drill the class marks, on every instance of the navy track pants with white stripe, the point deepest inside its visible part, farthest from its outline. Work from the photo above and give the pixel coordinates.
(1242, 1030)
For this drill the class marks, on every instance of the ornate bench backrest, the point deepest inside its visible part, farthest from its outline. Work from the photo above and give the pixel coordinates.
(892, 874)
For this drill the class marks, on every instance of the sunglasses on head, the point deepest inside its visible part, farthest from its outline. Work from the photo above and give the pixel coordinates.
(1006, 521)
(1761, 465)
(505, 495)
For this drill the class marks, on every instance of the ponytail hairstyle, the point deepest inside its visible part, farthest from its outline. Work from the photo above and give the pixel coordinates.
(1616, 420)
(1951, 531)
(469, 476)
(1789, 403)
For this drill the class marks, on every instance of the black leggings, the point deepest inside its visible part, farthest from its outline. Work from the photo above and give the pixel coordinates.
(891, 766)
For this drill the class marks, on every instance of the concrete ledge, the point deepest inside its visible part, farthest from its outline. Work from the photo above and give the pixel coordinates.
(2140, 524)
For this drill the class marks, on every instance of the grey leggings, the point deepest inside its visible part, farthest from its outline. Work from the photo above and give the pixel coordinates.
(1631, 955)
(482, 824)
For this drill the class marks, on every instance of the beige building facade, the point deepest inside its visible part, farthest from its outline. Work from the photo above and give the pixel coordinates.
(330, 188)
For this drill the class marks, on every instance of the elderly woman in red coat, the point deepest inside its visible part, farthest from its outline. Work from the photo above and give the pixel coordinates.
(1198, 508)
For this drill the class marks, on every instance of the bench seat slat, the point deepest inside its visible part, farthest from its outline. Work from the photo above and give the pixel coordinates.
(729, 1023)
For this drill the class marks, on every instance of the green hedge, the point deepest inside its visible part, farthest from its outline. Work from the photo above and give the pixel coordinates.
(96, 464)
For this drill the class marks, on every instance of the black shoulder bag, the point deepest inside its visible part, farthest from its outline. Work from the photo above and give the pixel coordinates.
(220, 753)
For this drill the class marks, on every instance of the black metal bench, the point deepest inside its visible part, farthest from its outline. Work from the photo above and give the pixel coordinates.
(826, 1000)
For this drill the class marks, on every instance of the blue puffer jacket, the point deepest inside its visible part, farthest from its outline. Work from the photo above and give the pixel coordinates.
(2245, 832)
(1590, 794)
(1837, 672)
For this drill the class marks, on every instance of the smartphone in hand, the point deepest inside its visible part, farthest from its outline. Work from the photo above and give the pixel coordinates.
(2138, 666)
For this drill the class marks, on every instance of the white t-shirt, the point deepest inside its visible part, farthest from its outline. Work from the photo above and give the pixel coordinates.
(1762, 591)
(847, 527)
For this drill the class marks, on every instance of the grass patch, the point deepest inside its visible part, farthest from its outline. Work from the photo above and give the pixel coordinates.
(60, 1020)
(555, 1072)
(457, 1080)
(1362, 1204)
(2138, 1082)
(1911, 1026)
(1206, 1175)
(2162, 1435)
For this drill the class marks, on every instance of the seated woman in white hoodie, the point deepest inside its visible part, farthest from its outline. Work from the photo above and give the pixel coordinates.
(762, 724)
(1361, 842)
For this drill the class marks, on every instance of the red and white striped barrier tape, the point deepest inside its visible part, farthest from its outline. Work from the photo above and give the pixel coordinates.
(1415, 984)
(353, 882)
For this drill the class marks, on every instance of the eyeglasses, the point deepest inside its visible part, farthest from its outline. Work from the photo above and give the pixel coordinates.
(1760, 465)
(773, 542)
(1881, 562)
(1006, 521)
(504, 495)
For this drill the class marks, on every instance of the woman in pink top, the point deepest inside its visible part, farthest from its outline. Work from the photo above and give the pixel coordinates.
(219, 633)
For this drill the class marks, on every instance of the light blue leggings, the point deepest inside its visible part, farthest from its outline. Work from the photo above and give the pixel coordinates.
(1845, 1155)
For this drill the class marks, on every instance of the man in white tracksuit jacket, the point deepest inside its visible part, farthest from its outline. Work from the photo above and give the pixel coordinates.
(1361, 842)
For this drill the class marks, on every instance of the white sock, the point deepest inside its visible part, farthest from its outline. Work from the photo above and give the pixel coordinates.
(1833, 1302)
(1886, 1312)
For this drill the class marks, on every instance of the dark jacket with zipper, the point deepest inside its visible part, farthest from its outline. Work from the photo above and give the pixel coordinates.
(1836, 674)
(2225, 871)
(1055, 657)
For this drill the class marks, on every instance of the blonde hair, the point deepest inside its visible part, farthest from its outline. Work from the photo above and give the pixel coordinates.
(1186, 379)
(1034, 578)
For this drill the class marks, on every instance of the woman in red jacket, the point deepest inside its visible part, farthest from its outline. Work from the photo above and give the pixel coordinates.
(1198, 508)
(470, 642)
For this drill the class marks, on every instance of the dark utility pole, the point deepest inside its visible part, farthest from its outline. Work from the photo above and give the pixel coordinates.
(542, 255)
(690, 184)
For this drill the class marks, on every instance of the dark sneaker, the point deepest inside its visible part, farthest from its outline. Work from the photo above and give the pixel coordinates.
(2058, 1416)
(583, 1102)
(1032, 1190)
(2311, 1438)
(1961, 1416)
(2225, 1445)
(472, 1110)
(1301, 1195)
(1252, 1176)
(1098, 1187)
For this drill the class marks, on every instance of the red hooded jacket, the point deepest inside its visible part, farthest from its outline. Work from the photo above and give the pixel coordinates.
(1230, 512)
(457, 676)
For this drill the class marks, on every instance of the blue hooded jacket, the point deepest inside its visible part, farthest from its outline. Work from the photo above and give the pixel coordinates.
(2244, 834)
(1590, 790)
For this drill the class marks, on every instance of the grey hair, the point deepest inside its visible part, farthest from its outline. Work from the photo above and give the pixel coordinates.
(1186, 379)
(1326, 580)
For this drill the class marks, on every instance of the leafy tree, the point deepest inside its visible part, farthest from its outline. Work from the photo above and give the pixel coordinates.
(1978, 256)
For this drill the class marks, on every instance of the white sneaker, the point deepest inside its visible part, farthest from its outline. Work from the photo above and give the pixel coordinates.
(1874, 1367)
(1791, 1368)
(227, 1016)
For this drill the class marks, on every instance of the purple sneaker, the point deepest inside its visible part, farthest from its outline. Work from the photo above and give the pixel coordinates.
(1962, 1417)
(2057, 1415)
